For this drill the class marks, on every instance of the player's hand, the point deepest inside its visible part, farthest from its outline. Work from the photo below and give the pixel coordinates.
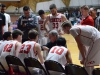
(46, 35)
(82, 61)
(45, 48)
(24, 25)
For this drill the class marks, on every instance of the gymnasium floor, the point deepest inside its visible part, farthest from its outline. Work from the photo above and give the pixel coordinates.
(72, 46)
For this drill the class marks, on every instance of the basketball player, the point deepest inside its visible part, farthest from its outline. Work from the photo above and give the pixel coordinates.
(60, 53)
(86, 36)
(6, 37)
(55, 19)
(11, 47)
(42, 31)
(31, 48)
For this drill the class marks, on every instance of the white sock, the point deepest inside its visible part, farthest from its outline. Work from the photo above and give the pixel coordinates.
(89, 70)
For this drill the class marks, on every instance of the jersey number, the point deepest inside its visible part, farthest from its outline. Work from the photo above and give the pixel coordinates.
(27, 49)
(55, 25)
(58, 51)
(7, 48)
(42, 27)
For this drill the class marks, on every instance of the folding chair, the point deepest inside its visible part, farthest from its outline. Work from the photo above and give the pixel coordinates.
(72, 69)
(34, 63)
(96, 71)
(2, 70)
(51, 65)
(14, 63)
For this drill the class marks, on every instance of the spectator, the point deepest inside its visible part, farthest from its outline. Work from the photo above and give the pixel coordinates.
(93, 13)
(7, 17)
(2, 23)
(26, 22)
(86, 19)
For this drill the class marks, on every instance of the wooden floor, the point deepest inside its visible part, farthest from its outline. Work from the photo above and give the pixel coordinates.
(72, 46)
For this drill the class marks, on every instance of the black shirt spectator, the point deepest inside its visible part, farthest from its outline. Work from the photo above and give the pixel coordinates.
(2, 23)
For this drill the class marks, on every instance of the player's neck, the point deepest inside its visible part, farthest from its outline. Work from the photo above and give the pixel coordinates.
(55, 14)
(33, 40)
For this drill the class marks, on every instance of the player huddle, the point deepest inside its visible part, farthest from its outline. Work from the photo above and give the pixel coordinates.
(57, 24)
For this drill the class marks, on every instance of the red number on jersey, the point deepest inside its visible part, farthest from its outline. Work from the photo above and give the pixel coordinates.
(58, 51)
(27, 49)
(55, 25)
(42, 27)
(7, 47)
(22, 47)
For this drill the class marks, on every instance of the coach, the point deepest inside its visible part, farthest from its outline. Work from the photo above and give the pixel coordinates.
(26, 22)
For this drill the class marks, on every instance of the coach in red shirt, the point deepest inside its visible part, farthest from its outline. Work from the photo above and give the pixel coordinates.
(86, 18)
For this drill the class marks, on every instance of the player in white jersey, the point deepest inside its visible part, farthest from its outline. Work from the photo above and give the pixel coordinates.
(6, 37)
(11, 47)
(60, 53)
(86, 36)
(43, 38)
(55, 19)
(31, 48)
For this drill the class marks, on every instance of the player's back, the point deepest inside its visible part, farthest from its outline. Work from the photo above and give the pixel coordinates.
(58, 53)
(88, 34)
(8, 48)
(28, 50)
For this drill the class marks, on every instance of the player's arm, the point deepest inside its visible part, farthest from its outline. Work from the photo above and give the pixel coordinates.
(38, 49)
(63, 18)
(9, 26)
(68, 57)
(17, 48)
(81, 47)
(45, 24)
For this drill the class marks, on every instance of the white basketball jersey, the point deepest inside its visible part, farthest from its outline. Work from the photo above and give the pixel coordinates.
(7, 49)
(58, 53)
(41, 27)
(88, 34)
(28, 50)
(55, 22)
(1, 42)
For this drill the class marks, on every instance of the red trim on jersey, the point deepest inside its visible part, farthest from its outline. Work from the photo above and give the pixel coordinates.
(34, 49)
(80, 31)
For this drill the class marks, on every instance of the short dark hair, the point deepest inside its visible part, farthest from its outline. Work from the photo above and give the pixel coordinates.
(6, 35)
(16, 33)
(52, 6)
(61, 41)
(26, 8)
(66, 24)
(32, 34)
(40, 12)
(85, 7)
(3, 5)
